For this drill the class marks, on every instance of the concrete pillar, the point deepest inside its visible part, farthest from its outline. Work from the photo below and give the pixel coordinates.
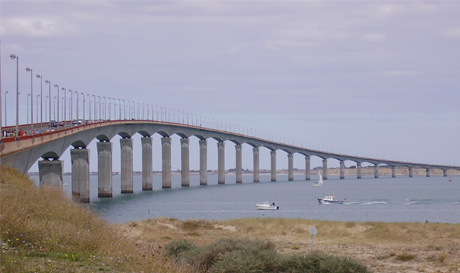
(376, 171)
(428, 172)
(80, 174)
(126, 165)
(185, 162)
(166, 162)
(324, 168)
(255, 152)
(358, 167)
(290, 167)
(273, 165)
(220, 162)
(393, 171)
(147, 168)
(444, 172)
(342, 169)
(307, 168)
(239, 163)
(104, 169)
(50, 173)
(411, 172)
(203, 162)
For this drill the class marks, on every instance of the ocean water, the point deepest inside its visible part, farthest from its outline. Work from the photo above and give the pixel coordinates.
(385, 199)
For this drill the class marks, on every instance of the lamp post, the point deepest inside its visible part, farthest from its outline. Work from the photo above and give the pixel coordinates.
(100, 111)
(76, 92)
(6, 92)
(12, 56)
(56, 117)
(28, 69)
(49, 97)
(64, 107)
(89, 106)
(94, 101)
(41, 102)
(28, 95)
(54, 103)
(84, 100)
(36, 111)
(71, 105)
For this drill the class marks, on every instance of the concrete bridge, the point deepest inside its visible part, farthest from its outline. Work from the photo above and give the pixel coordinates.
(47, 147)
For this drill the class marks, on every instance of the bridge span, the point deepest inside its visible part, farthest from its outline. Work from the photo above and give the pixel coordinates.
(23, 152)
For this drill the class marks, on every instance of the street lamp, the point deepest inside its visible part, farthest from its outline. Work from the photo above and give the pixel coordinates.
(89, 106)
(6, 92)
(94, 101)
(71, 105)
(64, 114)
(36, 105)
(28, 95)
(12, 56)
(84, 100)
(41, 102)
(100, 111)
(57, 105)
(49, 96)
(28, 69)
(76, 92)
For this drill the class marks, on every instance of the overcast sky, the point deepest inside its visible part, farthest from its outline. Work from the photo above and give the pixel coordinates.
(371, 78)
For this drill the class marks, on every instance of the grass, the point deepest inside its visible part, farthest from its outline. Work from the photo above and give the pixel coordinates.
(42, 230)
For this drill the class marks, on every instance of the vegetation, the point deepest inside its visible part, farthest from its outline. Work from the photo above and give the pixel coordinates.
(240, 255)
(41, 230)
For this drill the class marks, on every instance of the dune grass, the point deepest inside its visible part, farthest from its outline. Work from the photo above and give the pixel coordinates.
(42, 230)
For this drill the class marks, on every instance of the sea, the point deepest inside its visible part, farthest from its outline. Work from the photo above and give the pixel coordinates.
(383, 199)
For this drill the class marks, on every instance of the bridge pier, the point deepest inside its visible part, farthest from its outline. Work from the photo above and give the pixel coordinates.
(324, 168)
(411, 172)
(166, 162)
(342, 169)
(80, 174)
(255, 153)
(376, 171)
(147, 168)
(203, 162)
(444, 172)
(290, 167)
(220, 162)
(185, 162)
(104, 169)
(50, 172)
(239, 163)
(273, 165)
(428, 172)
(358, 167)
(126, 165)
(307, 168)
(393, 171)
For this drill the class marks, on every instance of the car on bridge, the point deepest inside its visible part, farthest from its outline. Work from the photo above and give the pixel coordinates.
(53, 123)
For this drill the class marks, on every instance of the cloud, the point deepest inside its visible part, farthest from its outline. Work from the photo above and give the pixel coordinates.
(36, 27)
(453, 33)
(402, 73)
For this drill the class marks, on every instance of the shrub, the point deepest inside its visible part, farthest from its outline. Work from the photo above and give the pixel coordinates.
(317, 263)
(175, 248)
(404, 257)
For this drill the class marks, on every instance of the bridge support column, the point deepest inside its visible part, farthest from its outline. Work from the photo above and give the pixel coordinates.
(342, 169)
(428, 172)
(273, 165)
(324, 168)
(290, 167)
(239, 163)
(147, 168)
(203, 162)
(358, 167)
(411, 172)
(255, 152)
(221, 162)
(393, 171)
(185, 162)
(307, 168)
(166, 162)
(126, 165)
(444, 172)
(104, 169)
(376, 171)
(50, 173)
(80, 174)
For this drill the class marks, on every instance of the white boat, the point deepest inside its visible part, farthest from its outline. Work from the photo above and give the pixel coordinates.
(320, 181)
(267, 206)
(330, 199)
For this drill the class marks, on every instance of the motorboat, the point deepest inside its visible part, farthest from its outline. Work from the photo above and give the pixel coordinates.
(330, 199)
(267, 206)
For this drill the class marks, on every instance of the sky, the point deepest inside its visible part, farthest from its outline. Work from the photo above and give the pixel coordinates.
(370, 78)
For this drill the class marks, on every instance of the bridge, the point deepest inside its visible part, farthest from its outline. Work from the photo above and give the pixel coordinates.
(48, 146)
